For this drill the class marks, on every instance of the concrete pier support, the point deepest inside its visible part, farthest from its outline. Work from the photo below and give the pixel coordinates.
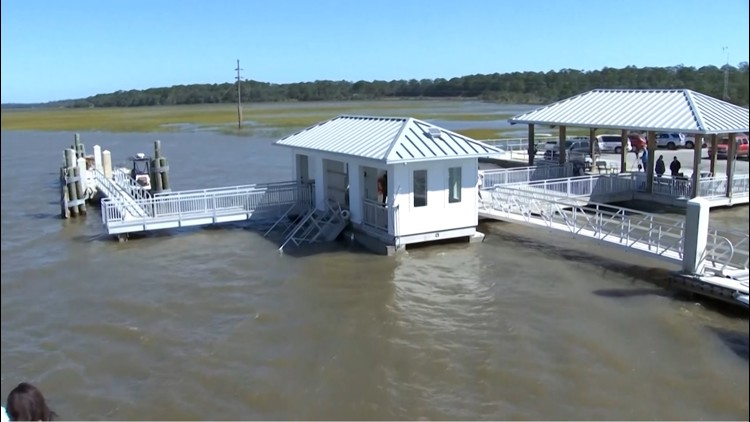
(98, 158)
(107, 164)
(83, 172)
(695, 235)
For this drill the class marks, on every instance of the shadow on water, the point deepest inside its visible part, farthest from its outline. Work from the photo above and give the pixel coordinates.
(625, 293)
(44, 216)
(659, 277)
(736, 341)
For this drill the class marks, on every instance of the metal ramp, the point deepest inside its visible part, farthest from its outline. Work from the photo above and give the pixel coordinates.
(202, 207)
(726, 254)
(315, 226)
(120, 197)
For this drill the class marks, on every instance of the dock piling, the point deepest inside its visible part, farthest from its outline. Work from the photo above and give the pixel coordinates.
(78, 147)
(159, 170)
(156, 185)
(70, 181)
(107, 164)
(64, 196)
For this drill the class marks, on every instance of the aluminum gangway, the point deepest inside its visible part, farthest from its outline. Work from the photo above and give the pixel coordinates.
(120, 195)
(726, 254)
(203, 206)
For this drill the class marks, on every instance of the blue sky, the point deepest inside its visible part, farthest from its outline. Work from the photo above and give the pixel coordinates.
(54, 49)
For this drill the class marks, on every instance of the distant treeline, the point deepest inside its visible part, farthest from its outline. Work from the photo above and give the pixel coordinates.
(516, 87)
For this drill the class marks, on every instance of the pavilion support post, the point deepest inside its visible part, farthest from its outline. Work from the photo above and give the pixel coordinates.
(532, 145)
(731, 152)
(651, 148)
(562, 158)
(624, 150)
(712, 153)
(593, 147)
(697, 155)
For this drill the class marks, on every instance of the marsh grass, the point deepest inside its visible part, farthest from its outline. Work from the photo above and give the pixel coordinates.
(223, 117)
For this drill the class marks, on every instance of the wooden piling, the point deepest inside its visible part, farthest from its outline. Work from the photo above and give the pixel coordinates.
(64, 212)
(164, 168)
(159, 170)
(80, 193)
(156, 185)
(70, 167)
(79, 148)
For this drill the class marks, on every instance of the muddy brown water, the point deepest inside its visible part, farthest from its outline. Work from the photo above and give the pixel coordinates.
(214, 324)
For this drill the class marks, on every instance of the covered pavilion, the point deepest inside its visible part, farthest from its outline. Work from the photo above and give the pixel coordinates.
(645, 110)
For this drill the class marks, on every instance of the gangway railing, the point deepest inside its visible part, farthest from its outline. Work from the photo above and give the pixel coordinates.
(127, 183)
(118, 200)
(208, 206)
(649, 233)
(504, 176)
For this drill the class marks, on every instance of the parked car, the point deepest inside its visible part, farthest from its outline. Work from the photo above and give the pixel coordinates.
(612, 143)
(722, 149)
(673, 141)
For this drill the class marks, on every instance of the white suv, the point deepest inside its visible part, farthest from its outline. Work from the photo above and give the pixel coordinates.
(609, 143)
(672, 141)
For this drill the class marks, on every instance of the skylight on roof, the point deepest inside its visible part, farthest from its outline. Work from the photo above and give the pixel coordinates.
(435, 132)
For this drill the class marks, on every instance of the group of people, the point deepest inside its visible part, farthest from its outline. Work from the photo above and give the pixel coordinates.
(26, 403)
(674, 167)
(660, 168)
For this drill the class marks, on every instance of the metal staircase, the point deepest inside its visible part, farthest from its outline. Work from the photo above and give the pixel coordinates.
(315, 225)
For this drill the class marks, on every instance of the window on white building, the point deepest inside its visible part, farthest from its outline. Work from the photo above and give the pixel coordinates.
(454, 185)
(420, 188)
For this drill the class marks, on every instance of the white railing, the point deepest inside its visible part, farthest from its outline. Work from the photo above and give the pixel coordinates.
(573, 187)
(741, 184)
(517, 144)
(539, 178)
(503, 176)
(653, 233)
(680, 187)
(731, 249)
(213, 203)
(240, 188)
(630, 228)
(124, 180)
(120, 203)
(375, 214)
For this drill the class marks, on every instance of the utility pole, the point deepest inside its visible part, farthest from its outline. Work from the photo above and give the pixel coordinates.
(726, 74)
(239, 96)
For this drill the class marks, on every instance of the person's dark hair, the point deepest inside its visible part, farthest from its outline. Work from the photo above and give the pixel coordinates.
(26, 403)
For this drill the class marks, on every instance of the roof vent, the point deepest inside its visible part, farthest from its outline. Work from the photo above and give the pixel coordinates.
(435, 132)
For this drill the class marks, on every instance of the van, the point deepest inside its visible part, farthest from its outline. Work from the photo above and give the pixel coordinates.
(611, 143)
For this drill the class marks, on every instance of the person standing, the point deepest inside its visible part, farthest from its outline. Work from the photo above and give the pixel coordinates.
(660, 166)
(644, 159)
(675, 167)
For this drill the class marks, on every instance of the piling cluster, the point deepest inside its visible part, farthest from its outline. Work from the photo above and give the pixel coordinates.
(79, 173)
(73, 180)
(159, 171)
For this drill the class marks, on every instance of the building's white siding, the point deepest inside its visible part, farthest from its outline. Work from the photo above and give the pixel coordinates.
(439, 214)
